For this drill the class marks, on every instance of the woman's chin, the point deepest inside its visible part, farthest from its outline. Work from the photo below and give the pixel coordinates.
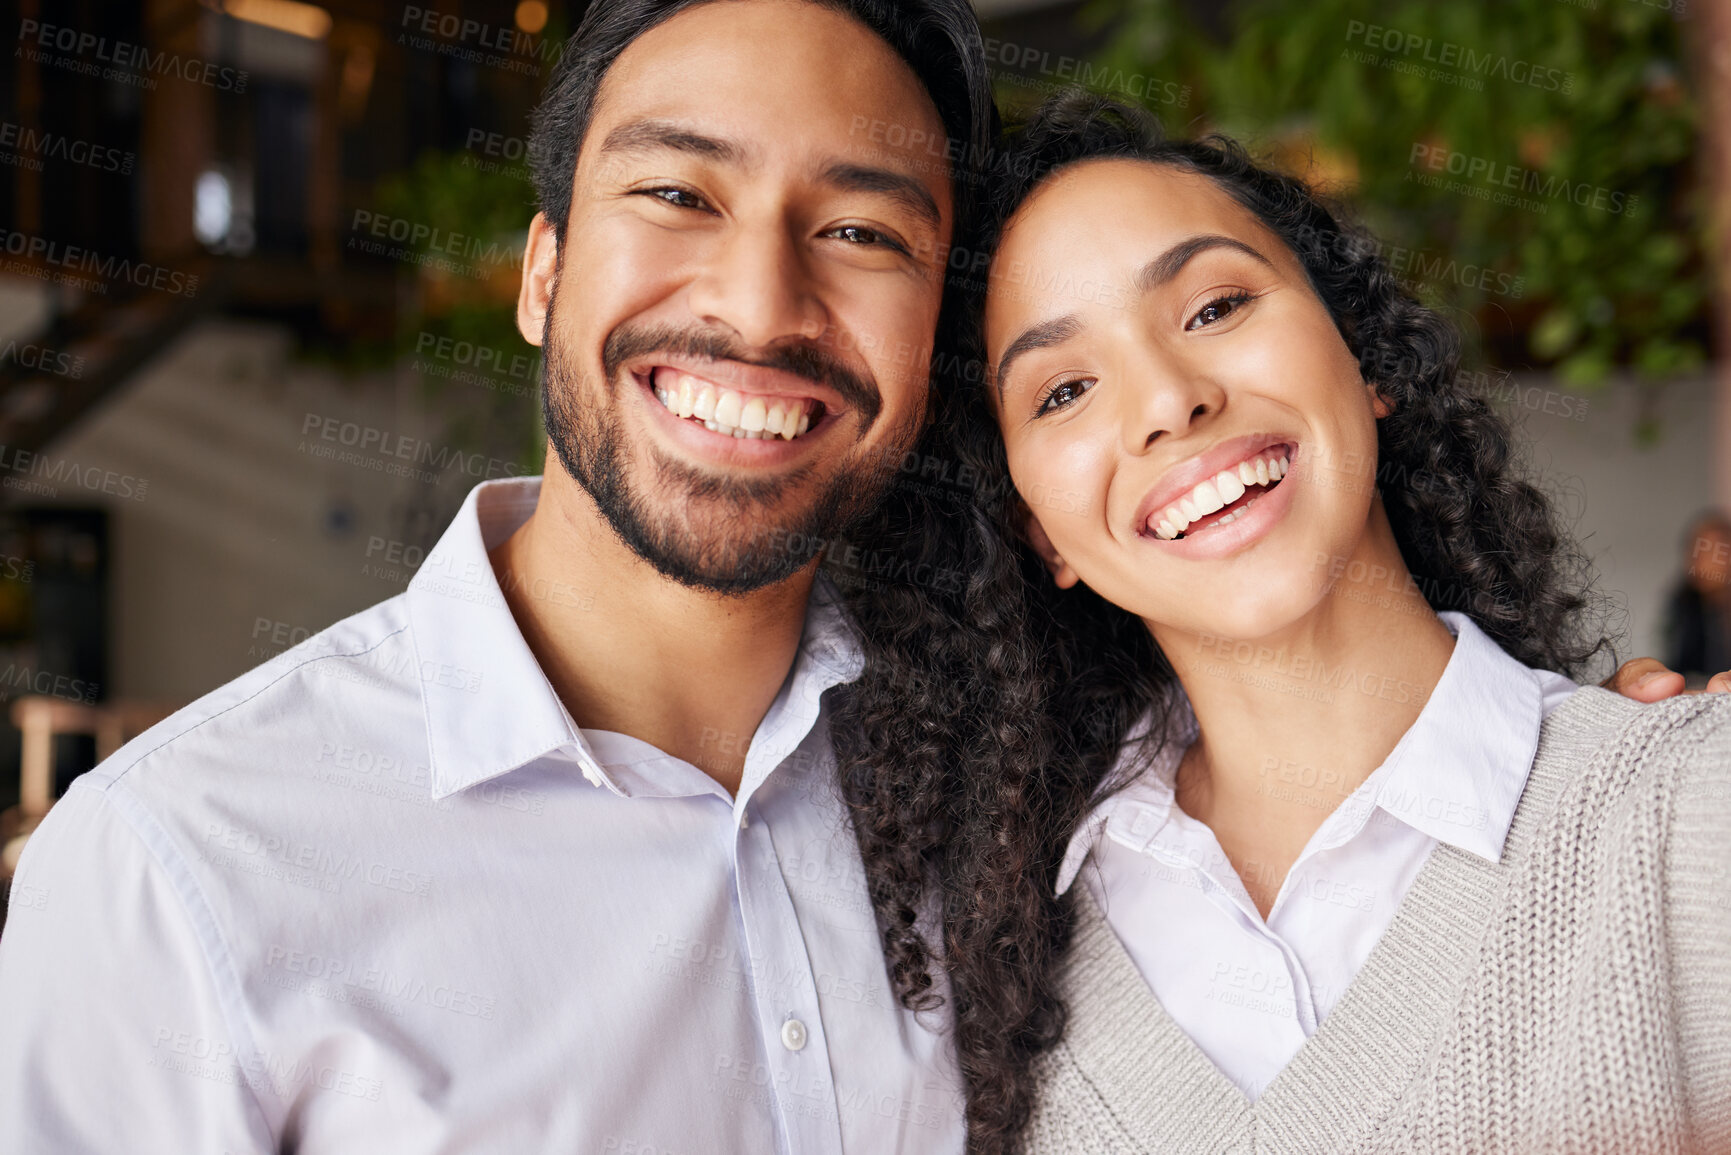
(1245, 616)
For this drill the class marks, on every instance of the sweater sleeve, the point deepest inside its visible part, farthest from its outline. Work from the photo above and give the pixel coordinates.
(1698, 882)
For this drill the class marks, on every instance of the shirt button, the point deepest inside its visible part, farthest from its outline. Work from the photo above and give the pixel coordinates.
(793, 1035)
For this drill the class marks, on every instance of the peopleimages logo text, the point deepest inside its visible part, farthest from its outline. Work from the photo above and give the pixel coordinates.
(124, 55)
(1478, 169)
(1459, 58)
(81, 260)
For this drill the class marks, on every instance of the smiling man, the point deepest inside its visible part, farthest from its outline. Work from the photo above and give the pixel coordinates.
(493, 868)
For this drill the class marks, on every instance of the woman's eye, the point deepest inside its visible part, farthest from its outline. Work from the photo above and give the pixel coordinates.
(1218, 310)
(1062, 394)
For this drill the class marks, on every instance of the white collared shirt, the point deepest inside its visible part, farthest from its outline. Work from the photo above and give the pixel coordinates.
(1249, 992)
(381, 895)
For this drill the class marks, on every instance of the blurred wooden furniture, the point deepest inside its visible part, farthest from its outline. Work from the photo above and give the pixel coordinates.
(40, 719)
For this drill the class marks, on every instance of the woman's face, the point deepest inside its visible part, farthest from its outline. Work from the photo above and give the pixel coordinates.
(1160, 358)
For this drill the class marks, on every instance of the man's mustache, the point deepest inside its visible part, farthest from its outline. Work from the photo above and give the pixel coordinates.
(811, 362)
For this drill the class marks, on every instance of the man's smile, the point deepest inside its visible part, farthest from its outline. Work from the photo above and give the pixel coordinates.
(720, 409)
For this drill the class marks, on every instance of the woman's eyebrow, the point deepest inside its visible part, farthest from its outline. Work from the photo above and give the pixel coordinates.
(1170, 263)
(1038, 336)
(1152, 275)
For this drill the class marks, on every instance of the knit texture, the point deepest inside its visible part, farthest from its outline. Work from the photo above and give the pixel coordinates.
(1573, 997)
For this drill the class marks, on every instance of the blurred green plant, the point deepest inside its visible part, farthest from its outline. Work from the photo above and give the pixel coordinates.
(1547, 141)
(463, 296)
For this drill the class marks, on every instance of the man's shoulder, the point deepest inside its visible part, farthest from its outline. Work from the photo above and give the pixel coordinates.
(267, 780)
(359, 675)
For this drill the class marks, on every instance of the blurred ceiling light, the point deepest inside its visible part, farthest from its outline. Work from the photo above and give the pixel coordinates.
(308, 20)
(531, 16)
(213, 208)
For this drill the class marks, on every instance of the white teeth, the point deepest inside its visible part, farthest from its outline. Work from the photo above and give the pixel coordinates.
(1236, 514)
(704, 409)
(1207, 498)
(1218, 492)
(737, 415)
(727, 408)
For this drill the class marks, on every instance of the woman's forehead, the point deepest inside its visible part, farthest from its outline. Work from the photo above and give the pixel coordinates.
(1113, 199)
(1095, 225)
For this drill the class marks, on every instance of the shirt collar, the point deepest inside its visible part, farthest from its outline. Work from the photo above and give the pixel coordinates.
(1144, 804)
(490, 709)
(1457, 774)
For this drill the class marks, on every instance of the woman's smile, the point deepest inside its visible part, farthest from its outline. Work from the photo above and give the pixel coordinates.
(1181, 507)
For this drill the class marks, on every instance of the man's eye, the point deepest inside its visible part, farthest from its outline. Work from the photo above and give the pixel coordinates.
(677, 197)
(1062, 394)
(1218, 310)
(865, 236)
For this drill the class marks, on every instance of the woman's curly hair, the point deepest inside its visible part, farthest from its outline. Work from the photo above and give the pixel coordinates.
(995, 709)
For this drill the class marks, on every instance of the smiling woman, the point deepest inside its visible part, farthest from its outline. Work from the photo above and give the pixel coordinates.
(1313, 754)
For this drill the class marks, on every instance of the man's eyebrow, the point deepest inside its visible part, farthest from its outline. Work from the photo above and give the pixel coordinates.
(649, 135)
(1170, 263)
(1040, 336)
(908, 190)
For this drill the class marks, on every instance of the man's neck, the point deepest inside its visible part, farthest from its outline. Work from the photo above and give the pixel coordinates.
(629, 650)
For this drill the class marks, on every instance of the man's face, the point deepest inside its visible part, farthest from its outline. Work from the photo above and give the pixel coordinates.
(738, 334)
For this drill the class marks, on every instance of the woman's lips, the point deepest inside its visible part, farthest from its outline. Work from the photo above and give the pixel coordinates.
(1222, 498)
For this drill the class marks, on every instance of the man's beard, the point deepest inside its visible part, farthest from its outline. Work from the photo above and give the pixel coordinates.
(695, 527)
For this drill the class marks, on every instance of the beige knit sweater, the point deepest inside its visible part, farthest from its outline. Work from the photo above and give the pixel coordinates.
(1575, 997)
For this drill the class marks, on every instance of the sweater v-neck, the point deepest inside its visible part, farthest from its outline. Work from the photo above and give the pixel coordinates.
(1350, 1072)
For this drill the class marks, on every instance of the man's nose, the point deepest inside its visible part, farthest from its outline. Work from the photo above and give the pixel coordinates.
(759, 284)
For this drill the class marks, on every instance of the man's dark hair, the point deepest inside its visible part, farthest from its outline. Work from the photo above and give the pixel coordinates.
(938, 39)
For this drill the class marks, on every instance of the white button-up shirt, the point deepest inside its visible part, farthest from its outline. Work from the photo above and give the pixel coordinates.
(1247, 991)
(382, 895)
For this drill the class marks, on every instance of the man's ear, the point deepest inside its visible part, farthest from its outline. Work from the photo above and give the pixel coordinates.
(1062, 574)
(540, 273)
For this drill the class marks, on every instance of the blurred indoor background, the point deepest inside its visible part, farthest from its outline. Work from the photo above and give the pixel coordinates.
(258, 260)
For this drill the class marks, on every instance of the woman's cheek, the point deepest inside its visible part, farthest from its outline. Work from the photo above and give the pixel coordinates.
(1064, 483)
